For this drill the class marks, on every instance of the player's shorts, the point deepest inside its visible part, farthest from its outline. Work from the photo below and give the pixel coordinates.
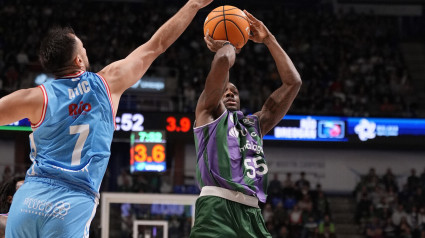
(220, 217)
(42, 209)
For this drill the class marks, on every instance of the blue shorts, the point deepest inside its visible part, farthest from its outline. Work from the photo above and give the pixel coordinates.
(43, 209)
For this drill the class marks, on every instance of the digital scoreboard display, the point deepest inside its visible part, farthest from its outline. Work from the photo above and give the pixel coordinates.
(147, 151)
(370, 130)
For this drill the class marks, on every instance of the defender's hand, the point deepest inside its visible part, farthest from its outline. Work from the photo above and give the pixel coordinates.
(259, 31)
(201, 3)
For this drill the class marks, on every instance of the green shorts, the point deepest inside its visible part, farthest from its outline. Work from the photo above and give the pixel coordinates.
(219, 217)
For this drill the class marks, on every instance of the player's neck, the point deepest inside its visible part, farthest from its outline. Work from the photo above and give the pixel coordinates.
(68, 70)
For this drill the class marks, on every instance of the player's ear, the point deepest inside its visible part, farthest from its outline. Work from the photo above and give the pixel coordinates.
(78, 61)
(9, 199)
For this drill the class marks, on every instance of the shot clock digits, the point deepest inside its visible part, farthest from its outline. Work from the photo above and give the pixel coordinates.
(183, 125)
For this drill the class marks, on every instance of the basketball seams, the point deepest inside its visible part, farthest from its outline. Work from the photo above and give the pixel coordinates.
(225, 25)
(232, 14)
(215, 27)
(224, 10)
(240, 30)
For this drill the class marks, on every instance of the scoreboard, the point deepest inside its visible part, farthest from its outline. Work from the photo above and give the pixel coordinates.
(147, 151)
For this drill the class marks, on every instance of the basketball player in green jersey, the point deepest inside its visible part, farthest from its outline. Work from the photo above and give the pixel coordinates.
(231, 169)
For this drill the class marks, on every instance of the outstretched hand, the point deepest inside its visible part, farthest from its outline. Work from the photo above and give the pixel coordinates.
(259, 31)
(202, 3)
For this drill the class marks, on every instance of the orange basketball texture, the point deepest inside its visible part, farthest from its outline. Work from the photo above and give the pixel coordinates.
(228, 23)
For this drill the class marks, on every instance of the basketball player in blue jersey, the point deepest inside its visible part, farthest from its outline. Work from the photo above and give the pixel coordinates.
(72, 119)
(231, 168)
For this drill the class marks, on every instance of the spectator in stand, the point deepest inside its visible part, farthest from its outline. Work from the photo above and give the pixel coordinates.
(389, 230)
(413, 221)
(280, 216)
(288, 185)
(284, 233)
(305, 204)
(310, 229)
(389, 180)
(295, 221)
(381, 207)
(272, 229)
(268, 213)
(7, 174)
(398, 214)
(125, 181)
(361, 191)
(326, 228)
(373, 229)
(413, 181)
(421, 221)
(422, 182)
(391, 197)
(405, 231)
(302, 182)
(418, 197)
(362, 209)
(371, 179)
(404, 194)
(275, 188)
(321, 204)
(290, 202)
(376, 194)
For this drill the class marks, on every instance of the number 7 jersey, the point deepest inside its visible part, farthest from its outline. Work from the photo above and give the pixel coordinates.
(230, 155)
(71, 142)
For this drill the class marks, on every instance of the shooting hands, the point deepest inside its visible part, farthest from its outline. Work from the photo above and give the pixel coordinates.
(259, 31)
(215, 45)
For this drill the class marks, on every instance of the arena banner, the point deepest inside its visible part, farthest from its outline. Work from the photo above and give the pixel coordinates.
(334, 129)
(349, 130)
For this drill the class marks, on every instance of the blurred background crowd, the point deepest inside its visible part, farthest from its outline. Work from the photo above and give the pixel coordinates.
(351, 63)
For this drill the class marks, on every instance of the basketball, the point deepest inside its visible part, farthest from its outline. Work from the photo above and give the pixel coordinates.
(228, 23)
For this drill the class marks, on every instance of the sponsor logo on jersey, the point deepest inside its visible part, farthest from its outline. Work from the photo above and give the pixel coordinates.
(248, 121)
(45, 208)
(251, 146)
(79, 109)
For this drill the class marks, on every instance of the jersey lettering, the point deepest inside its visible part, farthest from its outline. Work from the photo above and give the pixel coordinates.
(82, 87)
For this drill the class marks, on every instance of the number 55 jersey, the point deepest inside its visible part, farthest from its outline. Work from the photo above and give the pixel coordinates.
(230, 155)
(71, 142)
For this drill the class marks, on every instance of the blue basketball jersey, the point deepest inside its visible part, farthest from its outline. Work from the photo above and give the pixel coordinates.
(71, 142)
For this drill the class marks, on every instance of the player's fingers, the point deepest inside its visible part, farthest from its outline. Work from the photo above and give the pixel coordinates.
(250, 16)
(208, 39)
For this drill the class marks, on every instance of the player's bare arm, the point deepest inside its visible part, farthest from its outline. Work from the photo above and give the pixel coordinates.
(209, 105)
(24, 103)
(124, 73)
(279, 102)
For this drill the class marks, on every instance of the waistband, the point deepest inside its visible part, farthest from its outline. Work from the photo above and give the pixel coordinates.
(57, 182)
(231, 195)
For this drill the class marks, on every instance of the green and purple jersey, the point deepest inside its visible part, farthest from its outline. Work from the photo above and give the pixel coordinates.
(230, 154)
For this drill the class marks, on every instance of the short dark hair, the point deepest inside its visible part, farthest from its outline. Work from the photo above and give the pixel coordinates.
(57, 49)
(8, 188)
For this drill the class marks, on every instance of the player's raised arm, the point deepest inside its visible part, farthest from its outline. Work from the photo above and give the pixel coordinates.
(24, 103)
(209, 105)
(124, 73)
(279, 102)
